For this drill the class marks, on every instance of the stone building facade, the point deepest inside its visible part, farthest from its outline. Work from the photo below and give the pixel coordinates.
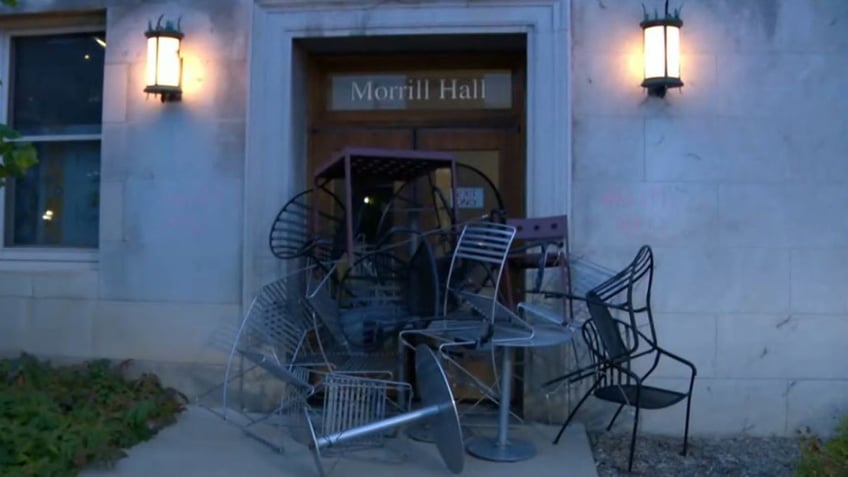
(737, 180)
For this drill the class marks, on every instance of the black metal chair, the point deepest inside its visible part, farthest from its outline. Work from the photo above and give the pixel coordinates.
(616, 344)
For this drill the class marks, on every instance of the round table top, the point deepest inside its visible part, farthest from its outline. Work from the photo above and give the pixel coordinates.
(436, 391)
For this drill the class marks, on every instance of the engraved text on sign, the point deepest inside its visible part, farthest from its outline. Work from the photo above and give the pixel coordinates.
(466, 89)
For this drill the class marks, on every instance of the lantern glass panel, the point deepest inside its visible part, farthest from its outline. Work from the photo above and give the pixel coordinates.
(654, 52)
(151, 60)
(673, 51)
(163, 61)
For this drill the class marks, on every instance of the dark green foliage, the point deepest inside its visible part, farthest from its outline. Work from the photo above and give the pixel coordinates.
(58, 420)
(825, 459)
(17, 156)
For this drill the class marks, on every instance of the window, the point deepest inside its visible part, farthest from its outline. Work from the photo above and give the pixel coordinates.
(55, 93)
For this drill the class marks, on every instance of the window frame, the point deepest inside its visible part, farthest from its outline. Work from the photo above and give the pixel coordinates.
(40, 257)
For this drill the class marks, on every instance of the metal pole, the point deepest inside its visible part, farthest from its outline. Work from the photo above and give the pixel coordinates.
(389, 423)
(506, 387)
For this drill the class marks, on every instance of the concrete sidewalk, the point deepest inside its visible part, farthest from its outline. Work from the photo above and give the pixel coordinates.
(203, 445)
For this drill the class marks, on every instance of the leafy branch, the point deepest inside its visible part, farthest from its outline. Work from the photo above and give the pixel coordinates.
(15, 157)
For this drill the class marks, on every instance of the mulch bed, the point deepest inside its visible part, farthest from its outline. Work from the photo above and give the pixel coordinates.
(659, 456)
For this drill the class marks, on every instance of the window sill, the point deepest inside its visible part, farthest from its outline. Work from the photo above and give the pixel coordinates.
(47, 259)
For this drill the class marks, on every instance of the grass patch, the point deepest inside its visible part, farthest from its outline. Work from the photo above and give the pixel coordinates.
(827, 458)
(56, 421)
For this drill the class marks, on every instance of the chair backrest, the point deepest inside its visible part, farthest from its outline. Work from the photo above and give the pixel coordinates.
(606, 328)
(626, 280)
(541, 229)
(483, 245)
(550, 236)
(321, 303)
(275, 326)
(629, 291)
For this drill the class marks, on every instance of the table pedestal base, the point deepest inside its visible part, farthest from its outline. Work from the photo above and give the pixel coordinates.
(489, 448)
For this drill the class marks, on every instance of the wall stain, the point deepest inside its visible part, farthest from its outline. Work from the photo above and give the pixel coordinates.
(789, 388)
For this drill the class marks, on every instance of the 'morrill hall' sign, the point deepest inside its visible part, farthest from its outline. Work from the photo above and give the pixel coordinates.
(430, 90)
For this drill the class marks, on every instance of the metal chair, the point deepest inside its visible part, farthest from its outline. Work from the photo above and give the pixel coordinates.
(282, 336)
(617, 347)
(474, 319)
(472, 312)
(273, 337)
(354, 413)
(332, 331)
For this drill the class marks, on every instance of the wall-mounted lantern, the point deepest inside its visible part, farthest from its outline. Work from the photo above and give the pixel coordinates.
(164, 64)
(661, 36)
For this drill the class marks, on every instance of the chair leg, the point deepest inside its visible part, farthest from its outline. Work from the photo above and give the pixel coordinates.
(572, 413)
(633, 440)
(612, 421)
(686, 429)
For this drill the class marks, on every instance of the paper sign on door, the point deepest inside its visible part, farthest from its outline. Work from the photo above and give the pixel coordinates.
(469, 197)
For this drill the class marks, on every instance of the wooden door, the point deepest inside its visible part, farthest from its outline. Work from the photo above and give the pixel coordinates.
(494, 152)
(324, 142)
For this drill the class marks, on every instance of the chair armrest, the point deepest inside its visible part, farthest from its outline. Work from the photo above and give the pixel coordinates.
(677, 358)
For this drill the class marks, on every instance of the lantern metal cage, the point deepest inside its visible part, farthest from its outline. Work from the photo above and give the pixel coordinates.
(164, 63)
(661, 42)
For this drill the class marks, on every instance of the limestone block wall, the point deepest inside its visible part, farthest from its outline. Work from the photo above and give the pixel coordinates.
(738, 182)
(168, 271)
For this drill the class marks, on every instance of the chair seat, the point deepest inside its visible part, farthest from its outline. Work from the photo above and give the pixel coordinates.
(649, 397)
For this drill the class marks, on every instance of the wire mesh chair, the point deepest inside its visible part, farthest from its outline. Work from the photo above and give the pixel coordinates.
(279, 336)
(616, 345)
(350, 401)
(474, 317)
(332, 330)
(272, 337)
(294, 232)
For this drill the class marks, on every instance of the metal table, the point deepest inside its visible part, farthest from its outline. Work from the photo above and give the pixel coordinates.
(379, 165)
(502, 448)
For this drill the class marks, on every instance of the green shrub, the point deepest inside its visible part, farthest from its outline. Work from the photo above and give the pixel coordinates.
(825, 459)
(58, 420)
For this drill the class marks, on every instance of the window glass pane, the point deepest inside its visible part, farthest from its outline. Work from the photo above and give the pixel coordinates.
(57, 202)
(57, 84)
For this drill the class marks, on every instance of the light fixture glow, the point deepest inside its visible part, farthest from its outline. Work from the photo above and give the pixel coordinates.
(661, 43)
(100, 41)
(164, 64)
(48, 215)
(366, 200)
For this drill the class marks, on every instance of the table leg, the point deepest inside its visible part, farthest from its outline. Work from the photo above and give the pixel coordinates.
(502, 448)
